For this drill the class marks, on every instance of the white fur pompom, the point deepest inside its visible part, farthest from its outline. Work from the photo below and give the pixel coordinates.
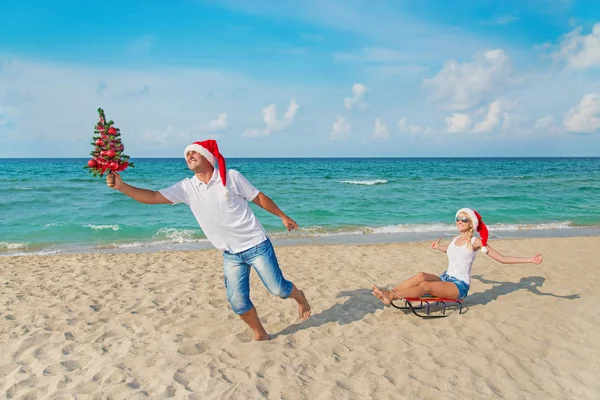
(484, 250)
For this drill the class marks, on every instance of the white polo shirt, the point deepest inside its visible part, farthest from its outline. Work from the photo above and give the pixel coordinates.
(227, 221)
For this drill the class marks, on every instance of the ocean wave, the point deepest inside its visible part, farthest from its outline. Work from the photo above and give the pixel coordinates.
(588, 189)
(417, 228)
(114, 227)
(160, 244)
(369, 183)
(528, 227)
(174, 235)
(6, 246)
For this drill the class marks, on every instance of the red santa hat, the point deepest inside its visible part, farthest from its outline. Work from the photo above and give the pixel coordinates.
(209, 150)
(478, 225)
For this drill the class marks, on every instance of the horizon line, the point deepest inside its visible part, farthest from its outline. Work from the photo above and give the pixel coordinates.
(306, 157)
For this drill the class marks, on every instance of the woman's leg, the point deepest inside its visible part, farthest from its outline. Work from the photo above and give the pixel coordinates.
(408, 286)
(446, 290)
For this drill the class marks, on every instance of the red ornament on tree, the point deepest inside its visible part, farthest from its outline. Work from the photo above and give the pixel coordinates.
(107, 154)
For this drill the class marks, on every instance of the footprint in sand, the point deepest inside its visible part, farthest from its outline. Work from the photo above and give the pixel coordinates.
(67, 350)
(96, 307)
(181, 378)
(170, 391)
(62, 367)
(193, 350)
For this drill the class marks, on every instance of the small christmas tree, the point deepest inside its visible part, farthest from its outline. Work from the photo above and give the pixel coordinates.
(108, 149)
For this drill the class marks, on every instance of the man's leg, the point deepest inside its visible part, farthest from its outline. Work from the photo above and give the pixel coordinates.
(265, 263)
(237, 283)
(251, 318)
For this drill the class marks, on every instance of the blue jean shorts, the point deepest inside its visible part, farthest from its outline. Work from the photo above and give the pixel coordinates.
(236, 269)
(463, 287)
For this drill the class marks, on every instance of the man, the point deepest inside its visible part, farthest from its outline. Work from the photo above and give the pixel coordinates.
(219, 201)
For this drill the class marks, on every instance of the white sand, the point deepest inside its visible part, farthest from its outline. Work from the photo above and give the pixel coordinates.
(158, 325)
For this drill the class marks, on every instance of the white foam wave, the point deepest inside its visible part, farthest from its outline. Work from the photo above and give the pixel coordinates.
(114, 227)
(420, 228)
(369, 183)
(13, 246)
(174, 235)
(154, 243)
(527, 227)
(412, 228)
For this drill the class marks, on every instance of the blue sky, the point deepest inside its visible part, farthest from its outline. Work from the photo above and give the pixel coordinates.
(311, 78)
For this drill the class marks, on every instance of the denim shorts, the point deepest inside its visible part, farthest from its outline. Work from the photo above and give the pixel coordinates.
(236, 269)
(463, 287)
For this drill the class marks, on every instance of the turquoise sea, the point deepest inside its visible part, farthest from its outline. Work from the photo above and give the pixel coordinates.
(52, 206)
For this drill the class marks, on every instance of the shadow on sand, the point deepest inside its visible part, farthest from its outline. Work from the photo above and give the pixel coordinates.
(360, 302)
(530, 283)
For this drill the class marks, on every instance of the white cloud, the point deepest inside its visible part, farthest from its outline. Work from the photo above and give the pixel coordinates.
(341, 129)
(584, 117)
(543, 122)
(358, 99)
(492, 116)
(381, 131)
(414, 129)
(458, 123)
(272, 122)
(403, 127)
(175, 97)
(167, 136)
(215, 125)
(492, 119)
(461, 87)
(580, 51)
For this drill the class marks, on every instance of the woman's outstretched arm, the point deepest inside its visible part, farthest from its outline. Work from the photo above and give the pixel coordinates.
(537, 259)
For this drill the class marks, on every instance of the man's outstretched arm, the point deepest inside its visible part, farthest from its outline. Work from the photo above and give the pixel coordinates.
(265, 202)
(114, 181)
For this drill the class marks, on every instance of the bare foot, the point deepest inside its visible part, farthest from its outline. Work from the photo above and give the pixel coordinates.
(303, 306)
(386, 296)
(261, 337)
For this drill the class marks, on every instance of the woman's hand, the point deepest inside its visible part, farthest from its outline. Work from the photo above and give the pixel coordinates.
(537, 259)
(436, 244)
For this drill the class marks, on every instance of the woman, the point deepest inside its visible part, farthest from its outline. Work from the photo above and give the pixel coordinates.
(454, 283)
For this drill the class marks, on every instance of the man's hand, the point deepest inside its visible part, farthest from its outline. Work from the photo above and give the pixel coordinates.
(289, 223)
(114, 181)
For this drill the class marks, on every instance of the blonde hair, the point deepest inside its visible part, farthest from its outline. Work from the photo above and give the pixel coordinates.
(469, 233)
(469, 236)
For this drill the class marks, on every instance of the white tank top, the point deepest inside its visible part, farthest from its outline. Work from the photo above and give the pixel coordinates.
(460, 261)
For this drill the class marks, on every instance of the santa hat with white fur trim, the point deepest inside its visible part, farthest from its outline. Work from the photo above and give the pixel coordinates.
(209, 150)
(478, 225)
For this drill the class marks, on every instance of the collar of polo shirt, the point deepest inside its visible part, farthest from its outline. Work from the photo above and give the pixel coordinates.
(214, 178)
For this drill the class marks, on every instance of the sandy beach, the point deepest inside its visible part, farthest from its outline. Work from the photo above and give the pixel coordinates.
(158, 325)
